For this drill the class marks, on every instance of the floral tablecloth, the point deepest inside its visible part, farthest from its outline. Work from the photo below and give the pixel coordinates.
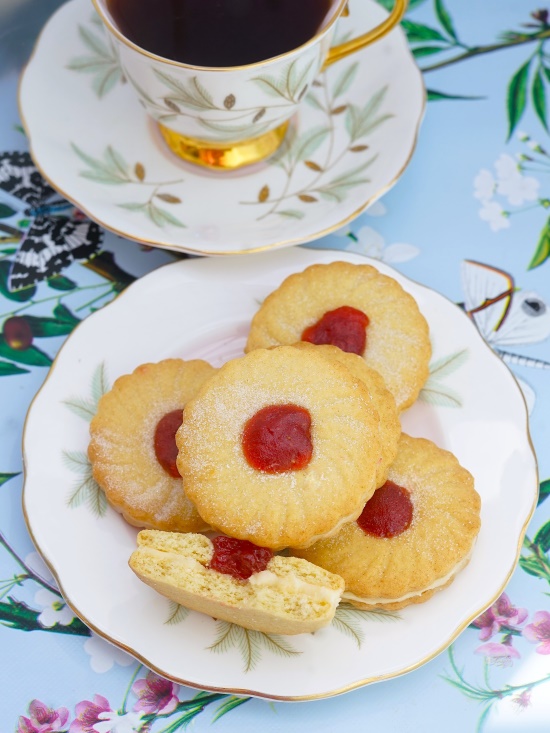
(478, 189)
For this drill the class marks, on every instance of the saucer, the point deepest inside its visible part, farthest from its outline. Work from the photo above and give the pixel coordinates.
(351, 140)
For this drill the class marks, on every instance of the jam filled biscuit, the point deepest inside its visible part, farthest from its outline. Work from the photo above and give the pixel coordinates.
(133, 450)
(383, 400)
(413, 536)
(280, 447)
(238, 582)
(357, 309)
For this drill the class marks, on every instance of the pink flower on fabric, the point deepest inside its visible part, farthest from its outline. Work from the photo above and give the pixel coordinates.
(88, 714)
(42, 719)
(539, 632)
(523, 700)
(501, 654)
(500, 615)
(156, 695)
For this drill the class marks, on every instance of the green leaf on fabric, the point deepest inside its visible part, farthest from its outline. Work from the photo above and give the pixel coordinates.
(421, 51)
(516, 99)
(46, 327)
(60, 282)
(538, 94)
(531, 566)
(227, 705)
(544, 491)
(542, 538)
(31, 356)
(6, 477)
(62, 313)
(7, 369)
(6, 211)
(445, 19)
(20, 296)
(417, 32)
(542, 251)
(435, 96)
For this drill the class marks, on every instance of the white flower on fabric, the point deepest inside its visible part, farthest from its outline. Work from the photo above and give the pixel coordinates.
(104, 655)
(55, 610)
(400, 252)
(484, 185)
(113, 722)
(495, 215)
(369, 242)
(376, 209)
(512, 184)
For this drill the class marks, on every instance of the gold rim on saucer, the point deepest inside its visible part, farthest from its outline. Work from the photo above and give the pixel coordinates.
(224, 156)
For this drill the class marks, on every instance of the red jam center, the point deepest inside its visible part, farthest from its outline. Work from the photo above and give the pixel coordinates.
(166, 449)
(344, 327)
(388, 512)
(278, 438)
(239, 558)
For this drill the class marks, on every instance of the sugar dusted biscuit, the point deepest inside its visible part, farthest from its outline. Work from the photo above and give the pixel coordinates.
(122, 451)
(397, 339)
(409, 567)
(290, 596)
(383, 400)
(287, 493)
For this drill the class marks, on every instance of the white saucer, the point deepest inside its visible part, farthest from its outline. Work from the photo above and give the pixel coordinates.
(94, 143)
(470, 405)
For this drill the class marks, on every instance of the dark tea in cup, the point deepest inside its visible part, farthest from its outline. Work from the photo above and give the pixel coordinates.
(219, 32)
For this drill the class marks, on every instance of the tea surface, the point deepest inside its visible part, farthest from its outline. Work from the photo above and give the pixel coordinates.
(219, 32)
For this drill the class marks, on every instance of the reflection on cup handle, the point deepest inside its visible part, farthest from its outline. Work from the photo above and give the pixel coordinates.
(345, 49)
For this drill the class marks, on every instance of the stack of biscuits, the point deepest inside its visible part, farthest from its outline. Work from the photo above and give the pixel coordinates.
(275, 487)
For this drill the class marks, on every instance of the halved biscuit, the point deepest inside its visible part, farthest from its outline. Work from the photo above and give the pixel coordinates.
(291, 596)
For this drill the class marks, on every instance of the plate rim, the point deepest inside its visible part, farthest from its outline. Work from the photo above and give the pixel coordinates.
(244, 691)
(212, 252)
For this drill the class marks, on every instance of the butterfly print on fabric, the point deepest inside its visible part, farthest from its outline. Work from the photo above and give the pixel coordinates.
(53, 233)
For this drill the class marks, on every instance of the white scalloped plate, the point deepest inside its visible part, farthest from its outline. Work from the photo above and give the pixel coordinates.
(105, 155)
(202, 309)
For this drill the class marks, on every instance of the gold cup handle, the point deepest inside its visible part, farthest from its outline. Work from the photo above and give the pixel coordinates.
(345, 49)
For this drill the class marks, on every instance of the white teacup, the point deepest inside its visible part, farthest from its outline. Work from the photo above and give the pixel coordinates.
(227, 117)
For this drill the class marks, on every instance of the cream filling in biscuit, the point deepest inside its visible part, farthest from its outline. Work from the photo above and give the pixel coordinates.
(290, 584)
(347, 595)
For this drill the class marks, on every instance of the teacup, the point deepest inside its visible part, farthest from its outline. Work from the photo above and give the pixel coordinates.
(227, 117)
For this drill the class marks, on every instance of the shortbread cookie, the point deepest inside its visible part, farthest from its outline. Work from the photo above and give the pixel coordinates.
(419, 531)
(280, 447)
(358, 309)
(132, 447)
(383, 400)
(286, 596)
